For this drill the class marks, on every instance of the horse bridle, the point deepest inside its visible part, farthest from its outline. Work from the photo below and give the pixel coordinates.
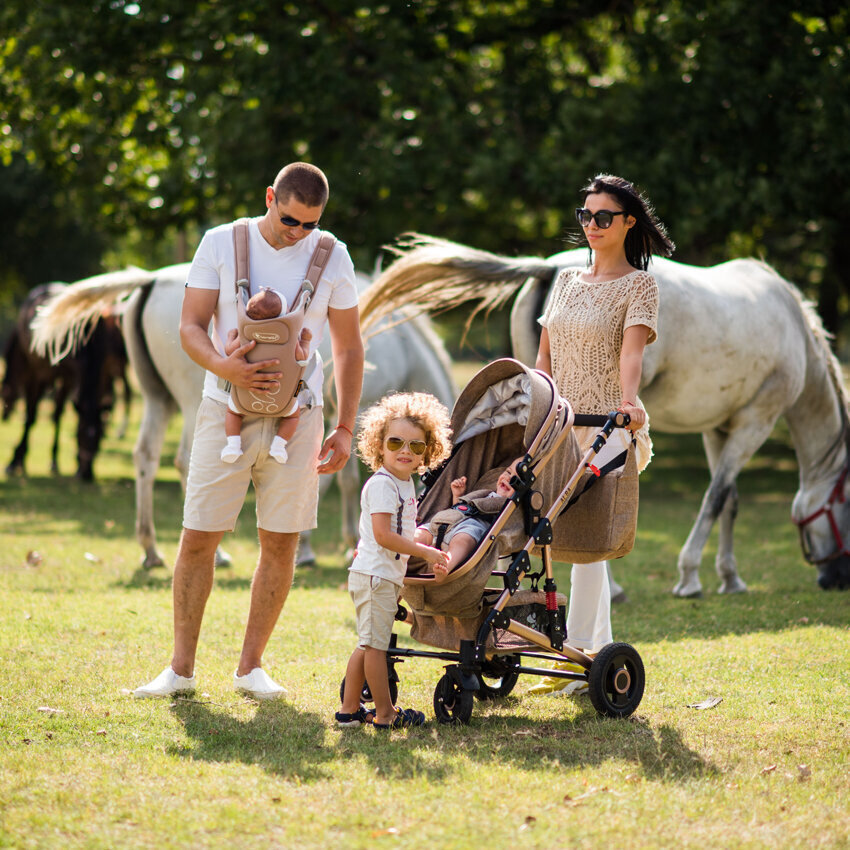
(837, 495)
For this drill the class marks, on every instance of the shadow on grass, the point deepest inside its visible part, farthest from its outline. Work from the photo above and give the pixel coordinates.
(287, 742)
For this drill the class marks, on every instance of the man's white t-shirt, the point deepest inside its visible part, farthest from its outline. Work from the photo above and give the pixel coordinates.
(383, 493)
(282, 269)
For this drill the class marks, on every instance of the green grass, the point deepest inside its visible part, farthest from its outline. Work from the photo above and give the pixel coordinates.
(767, 767)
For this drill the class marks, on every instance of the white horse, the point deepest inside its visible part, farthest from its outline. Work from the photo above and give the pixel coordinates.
(737, 348)
(401, 355)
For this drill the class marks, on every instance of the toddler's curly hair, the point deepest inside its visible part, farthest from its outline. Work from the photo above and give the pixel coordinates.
(420, 409)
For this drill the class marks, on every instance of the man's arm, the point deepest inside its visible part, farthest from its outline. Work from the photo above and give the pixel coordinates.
(348, 358)
(198, 309)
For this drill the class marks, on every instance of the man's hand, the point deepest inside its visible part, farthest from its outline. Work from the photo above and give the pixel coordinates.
(242, 373)
(335, 452)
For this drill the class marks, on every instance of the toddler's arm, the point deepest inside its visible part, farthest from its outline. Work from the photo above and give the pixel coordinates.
(395, 542)
(458, 487)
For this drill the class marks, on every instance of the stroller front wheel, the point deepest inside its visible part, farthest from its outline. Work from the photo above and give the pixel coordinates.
(452, 703)
(497, 678)
(616, 680)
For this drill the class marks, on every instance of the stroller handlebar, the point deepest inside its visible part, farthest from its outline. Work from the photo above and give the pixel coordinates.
(618, 420)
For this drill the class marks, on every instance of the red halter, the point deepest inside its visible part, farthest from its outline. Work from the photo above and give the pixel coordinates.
(837, 495)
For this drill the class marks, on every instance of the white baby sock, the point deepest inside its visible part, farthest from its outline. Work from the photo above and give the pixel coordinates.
(278, 449)
(233, 450)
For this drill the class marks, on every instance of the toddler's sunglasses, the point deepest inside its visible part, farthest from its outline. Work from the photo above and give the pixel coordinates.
(604, 218)
(396, 444)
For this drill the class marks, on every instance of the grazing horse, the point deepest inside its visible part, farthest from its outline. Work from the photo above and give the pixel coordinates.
(405, 355)
(87, 376)
(737, 348)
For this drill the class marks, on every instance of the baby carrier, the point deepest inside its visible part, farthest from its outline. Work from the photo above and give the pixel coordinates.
(275, 338)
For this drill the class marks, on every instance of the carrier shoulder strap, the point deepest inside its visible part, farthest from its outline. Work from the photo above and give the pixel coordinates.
(315, 268)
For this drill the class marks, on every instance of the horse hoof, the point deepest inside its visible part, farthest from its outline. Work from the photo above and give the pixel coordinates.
(736, 586)
(152, 563)
(684, 593)
(620, 598)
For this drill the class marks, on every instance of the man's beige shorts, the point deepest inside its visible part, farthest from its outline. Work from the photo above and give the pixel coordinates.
(287, 493)
(376, 602)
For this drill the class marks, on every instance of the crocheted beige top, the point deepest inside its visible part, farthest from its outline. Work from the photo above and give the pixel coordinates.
(585, 322)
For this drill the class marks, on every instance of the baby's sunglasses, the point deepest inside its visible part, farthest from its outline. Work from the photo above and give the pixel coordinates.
(396, 444)
(604, 218)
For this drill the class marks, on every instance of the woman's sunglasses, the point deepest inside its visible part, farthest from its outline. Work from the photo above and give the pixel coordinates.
(396, 444)
(603, 218)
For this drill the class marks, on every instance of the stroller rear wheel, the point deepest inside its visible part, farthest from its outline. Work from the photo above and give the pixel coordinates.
(616, 680)
(452, 703)
(497, 677)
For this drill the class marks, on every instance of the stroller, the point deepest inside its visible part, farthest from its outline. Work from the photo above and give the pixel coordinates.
(490, 635)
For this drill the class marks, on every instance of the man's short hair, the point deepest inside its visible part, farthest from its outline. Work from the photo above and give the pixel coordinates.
(304, 182)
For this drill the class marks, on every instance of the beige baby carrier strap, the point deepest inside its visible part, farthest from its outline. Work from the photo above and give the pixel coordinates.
(275, 338)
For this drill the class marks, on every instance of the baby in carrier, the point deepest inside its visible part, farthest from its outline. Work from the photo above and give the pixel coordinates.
(464, 524)
(266, 304)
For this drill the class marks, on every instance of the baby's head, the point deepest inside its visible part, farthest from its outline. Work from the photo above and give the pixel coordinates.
(419, 409)
(266, 304)
(503, 485)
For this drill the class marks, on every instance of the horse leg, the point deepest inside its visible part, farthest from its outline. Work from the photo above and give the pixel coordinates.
(618, 594)
(155, 415)
(749, 431)
(16, 464)
(59, 399)
(725, 563)
(127, 401)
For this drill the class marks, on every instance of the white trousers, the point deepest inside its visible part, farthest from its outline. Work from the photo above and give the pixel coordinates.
(589, 614)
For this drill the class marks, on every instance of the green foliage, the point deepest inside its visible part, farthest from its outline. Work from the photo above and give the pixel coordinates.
(472, 121)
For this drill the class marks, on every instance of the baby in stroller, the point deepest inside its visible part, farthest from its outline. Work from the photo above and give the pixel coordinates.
(461, 528)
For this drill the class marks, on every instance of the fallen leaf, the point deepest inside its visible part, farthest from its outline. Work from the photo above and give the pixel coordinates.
(34, 558)
(100, 732)
(46, 709)
(804, 772)
(711, 702)
(379, 832)
(93, 558)
(803, 620)
(769, 769)
(109, 524)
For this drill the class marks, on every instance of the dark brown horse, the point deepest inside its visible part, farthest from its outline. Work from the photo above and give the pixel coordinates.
(87, 377)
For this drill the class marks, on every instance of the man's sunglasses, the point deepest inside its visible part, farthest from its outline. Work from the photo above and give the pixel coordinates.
(289, 221)
(396, 444)
(603, 218)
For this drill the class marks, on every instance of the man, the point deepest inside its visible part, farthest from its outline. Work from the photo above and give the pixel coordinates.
(281, 244)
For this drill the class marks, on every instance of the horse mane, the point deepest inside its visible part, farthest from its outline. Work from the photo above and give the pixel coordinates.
(823, 349)
(434, 275)
(65, 321)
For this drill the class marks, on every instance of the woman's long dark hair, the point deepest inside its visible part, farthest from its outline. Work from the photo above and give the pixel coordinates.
(648, 236)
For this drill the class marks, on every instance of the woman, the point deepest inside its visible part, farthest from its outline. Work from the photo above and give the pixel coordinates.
(596, 325)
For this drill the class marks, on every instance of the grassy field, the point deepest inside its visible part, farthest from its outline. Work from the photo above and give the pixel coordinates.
(84, 765)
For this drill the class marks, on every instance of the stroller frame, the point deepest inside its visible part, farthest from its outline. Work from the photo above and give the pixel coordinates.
(615, 675)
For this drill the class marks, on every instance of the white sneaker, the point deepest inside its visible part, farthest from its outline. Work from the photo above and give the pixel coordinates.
(259, 685)
(166, 684)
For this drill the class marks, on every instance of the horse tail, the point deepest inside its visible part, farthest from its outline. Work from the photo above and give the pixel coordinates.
(65, 321)
(434, 274)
